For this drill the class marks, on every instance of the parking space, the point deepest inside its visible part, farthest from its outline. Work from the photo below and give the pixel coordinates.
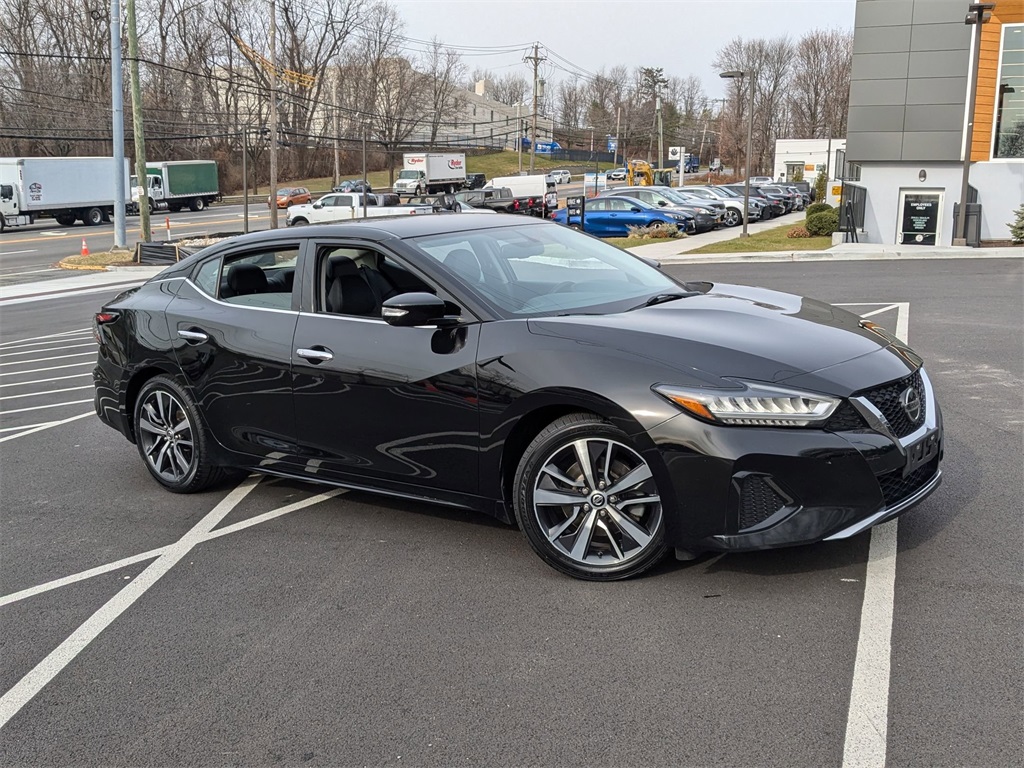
(274, 622)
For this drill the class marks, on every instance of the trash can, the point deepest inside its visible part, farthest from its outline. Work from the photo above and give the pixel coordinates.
(972, 223)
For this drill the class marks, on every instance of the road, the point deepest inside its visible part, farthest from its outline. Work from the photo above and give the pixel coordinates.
(272, 625)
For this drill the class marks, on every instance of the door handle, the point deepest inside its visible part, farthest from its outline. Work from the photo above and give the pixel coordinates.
(315, 355)
(197, 336)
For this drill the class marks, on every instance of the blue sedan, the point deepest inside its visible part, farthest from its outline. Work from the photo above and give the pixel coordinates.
(612, 217)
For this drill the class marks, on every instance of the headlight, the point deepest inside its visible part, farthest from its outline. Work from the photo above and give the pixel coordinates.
(702, 210)
(753, 405)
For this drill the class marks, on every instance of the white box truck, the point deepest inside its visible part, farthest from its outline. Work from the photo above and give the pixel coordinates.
(177, 184)
(69, 189)
(430, 173)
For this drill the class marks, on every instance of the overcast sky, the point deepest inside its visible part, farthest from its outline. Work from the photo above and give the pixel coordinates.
(681, 36)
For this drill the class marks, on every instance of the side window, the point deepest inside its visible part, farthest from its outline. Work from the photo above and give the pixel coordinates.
(264, 278)
(597, 205)
(208, 277)
(356, 281)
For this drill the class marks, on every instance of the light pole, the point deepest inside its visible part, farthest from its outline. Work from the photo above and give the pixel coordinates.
(977, 16)
(733, 73)
(117, 109)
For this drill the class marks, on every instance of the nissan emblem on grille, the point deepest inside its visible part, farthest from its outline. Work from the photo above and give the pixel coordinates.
(911, 403)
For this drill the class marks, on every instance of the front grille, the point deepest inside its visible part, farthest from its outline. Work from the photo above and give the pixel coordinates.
(845, 419)
(895, 487)
(758, 501)
(887, 400)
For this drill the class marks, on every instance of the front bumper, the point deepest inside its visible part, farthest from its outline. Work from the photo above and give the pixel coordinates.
(741, 488)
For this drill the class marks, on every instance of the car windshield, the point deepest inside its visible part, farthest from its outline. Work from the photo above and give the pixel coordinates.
(545, 270)
(285, 191)
(409, 175)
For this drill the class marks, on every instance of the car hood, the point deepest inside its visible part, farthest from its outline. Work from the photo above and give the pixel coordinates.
(734, 331)
(301, 208)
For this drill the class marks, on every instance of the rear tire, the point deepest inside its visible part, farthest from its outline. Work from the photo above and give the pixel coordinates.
(65, 219)
(92, 216)
(732, 217)
(171, 438)
(197, 204)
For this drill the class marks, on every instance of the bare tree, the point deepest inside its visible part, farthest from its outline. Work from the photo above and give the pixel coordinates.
(444, 71)
(511, 88)
(820, 89)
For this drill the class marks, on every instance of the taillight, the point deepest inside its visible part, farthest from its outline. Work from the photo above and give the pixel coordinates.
(515, 205)
(102, 318)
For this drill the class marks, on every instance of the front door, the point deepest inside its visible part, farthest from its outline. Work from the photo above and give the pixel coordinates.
(378, 404)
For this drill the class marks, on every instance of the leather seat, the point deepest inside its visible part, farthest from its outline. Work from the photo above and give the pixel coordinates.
(348, 293)
(465, 264)
(244, 279)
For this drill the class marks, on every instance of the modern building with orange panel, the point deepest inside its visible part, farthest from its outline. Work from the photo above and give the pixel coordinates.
(910, 94)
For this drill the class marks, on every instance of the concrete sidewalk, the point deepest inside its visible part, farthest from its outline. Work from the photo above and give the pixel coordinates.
(679, 251)
(79, 282)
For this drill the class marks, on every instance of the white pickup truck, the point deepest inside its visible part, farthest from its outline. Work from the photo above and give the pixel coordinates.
(342, 206)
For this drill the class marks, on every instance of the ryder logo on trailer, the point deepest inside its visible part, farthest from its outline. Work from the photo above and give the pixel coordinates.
(454, 163)
(414, 160)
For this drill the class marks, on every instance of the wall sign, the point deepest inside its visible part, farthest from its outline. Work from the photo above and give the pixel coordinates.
(919, 217)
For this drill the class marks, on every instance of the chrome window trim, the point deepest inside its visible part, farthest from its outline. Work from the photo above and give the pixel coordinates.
(240, 306)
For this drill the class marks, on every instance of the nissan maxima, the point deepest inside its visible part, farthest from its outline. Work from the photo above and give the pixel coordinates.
(527, 371)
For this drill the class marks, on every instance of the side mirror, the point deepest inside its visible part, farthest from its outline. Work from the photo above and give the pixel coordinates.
(662, 203)
(318, 205)
(417, 308)
(635, 210)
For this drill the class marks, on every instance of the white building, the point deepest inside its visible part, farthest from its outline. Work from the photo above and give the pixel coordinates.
(806, 155)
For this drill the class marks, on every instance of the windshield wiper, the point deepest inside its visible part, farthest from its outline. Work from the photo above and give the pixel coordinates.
(661, 298)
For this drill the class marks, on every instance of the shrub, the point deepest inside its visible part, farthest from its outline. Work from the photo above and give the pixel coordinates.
(817, 208)
(823, 222)
(655, 233)
(1017, 227)
(820, 182)
(798, 231)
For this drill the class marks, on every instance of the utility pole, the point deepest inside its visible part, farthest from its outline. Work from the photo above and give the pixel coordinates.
(117, 108)
(661, 139)
(140, 139)
(618, 139)
(337, 132)
(536, 59)
(273, 114)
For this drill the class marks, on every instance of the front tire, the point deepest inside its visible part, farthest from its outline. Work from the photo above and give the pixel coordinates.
(587, 501)
(732, 217)
(171, 438)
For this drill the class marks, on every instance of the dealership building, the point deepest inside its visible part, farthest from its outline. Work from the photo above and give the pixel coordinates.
(910, 95)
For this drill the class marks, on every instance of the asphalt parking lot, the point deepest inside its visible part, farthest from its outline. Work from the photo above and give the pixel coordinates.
(279, 623)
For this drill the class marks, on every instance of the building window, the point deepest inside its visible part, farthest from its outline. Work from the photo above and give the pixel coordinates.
(1009, 127)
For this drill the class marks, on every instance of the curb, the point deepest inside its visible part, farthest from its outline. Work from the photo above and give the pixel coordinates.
(63, 264)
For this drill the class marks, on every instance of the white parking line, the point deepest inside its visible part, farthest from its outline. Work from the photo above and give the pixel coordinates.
(36, 351)
(867, 720)
(31, 429)
(48, 359)
(44, 381)
(41, 407)
(51, 368)
(99, 570)
(44, 392)
(26, 688)
(62, 334)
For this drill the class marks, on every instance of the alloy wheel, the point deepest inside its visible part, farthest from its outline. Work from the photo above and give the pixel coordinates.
(596, 502)
(167, 437)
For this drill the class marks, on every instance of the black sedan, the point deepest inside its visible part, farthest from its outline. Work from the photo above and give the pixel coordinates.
(530, 372)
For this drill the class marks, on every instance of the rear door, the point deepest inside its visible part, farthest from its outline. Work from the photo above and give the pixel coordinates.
(232, 324)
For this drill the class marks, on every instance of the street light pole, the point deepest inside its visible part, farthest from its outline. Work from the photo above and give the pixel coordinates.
(273, 114)
(737, 73)
(117, 99)
(977, 16)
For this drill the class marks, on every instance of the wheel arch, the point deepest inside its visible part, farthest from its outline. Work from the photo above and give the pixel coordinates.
(135, 384)
(534, 412)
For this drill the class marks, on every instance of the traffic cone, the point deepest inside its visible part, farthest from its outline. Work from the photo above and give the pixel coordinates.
(85, 248)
